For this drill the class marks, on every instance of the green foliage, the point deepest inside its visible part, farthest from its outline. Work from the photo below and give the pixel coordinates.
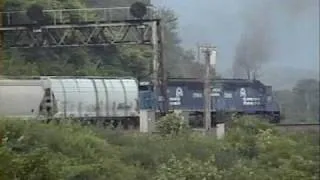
(249, 128)
(171, 124)
(251, 149)
(301, 104)
(104, 61)
(30, 150)
(188, 168)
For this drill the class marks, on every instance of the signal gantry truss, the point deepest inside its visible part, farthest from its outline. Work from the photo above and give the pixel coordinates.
(77, 27)
(78, 35)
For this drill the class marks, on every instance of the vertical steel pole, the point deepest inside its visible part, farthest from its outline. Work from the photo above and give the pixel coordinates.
(1, 38)
(155, 61)
(210, 61)
(163, 68)
(207, 92)
(213, 59)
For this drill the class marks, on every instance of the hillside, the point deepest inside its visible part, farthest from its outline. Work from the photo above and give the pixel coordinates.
(286, 77)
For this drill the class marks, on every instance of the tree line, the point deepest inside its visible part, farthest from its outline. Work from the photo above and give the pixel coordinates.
(301, 104)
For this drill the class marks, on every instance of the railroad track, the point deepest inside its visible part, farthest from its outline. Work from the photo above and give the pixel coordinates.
(299, 127)
(299, 124)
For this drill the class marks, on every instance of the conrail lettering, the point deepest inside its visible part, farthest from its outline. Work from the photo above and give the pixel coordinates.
(196, 95)
(251, 101)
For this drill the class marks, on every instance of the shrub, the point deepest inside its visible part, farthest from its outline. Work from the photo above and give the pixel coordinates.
(251, 149)
(31, 150)
(188, 168)
(172, 124)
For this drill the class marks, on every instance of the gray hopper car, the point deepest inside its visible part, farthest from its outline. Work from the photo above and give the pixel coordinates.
(84, 98)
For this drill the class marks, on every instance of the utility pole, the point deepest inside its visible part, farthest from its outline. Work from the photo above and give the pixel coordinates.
(1, 40)
(209, 62)
(155, 63)
(163, 69)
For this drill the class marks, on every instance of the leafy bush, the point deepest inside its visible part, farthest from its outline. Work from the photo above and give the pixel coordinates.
(251, 149)
(172, 124)
(31, 150)
(188, 168)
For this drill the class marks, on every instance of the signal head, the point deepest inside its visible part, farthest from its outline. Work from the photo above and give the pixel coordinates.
(138, 10)
(35, 12)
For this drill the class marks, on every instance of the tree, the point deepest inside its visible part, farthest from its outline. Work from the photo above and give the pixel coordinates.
(180, 61)
(60, 61)
(112, 60)
(306, 93)
(302, 102)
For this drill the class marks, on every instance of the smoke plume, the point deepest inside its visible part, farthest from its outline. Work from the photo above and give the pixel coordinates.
(255, 45)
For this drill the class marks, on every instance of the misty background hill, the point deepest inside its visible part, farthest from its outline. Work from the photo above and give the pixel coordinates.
(286, 77)
(282, 77)
(283, 35)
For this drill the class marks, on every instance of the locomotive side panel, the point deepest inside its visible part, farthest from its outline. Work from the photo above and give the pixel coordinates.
(183, 95)
(228, 96)
(241, 96)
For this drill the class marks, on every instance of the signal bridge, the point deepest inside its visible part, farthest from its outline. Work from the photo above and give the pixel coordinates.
(78, 27)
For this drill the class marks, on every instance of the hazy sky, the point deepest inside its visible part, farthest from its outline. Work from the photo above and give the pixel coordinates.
(220, 22)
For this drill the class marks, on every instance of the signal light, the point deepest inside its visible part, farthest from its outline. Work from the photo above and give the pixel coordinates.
(35, 13)
(138, 10)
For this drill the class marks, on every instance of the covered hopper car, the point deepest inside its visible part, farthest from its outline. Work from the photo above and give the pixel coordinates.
(84, 98)
(229, 96)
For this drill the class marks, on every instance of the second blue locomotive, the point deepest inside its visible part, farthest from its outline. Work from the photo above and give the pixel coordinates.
(229, 96)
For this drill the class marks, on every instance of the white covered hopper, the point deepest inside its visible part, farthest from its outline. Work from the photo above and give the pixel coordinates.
(94, 97)
(70, 97)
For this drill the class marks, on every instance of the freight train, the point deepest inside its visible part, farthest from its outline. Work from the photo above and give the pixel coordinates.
(229, 97)
(119, 100)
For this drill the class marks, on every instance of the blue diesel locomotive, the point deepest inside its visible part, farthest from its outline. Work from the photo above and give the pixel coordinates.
(229, 96)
